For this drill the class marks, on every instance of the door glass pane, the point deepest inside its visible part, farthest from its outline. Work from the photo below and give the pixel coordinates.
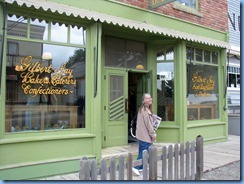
(116, 87)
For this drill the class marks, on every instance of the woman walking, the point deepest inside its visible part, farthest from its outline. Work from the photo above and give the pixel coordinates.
(145, 132)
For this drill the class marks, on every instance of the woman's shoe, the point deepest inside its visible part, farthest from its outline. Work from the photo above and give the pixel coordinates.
(136, 171)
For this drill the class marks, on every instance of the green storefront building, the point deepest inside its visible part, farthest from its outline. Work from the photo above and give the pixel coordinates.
(73, 74)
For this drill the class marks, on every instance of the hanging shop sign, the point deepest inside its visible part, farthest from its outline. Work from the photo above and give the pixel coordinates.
(44, 80)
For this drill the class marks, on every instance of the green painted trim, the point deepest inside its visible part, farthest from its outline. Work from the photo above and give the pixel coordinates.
(40, 170)
(215, 140)
(45, 138)
(181, 89)
(204, 124)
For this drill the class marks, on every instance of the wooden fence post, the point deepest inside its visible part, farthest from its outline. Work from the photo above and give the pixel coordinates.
(121, 168)
(152, 163)
(103, 169)
(176, 162)
(199, 157)
(93, 170)
(170, 162)
(129, 166)
(145, 164)
(182, 161)
(112, 170)
(84, 170)
(164, 163)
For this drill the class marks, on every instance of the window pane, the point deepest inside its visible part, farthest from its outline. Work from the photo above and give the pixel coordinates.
(170, 53)
(17, 26)
(116, 87)
(160, 55)
(125, 53)
(206, 56)
(215, 57)
(59, 32)
(45, 88)
(78, 35)
(39, 29)
(190, 3)
(165, 90)
(199, 55)
(190, 53)
(203, 93)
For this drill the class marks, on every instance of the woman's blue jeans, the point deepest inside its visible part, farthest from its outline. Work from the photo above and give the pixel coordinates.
(142, 146)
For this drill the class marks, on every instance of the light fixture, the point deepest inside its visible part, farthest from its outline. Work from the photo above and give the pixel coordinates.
(140, 67)
(47, 56)
(18, 68)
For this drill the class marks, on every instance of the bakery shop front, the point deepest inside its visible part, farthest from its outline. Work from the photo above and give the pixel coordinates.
(72, 80)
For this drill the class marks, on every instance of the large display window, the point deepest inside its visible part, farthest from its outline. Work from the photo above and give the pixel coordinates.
(45, 82)
(202, 87)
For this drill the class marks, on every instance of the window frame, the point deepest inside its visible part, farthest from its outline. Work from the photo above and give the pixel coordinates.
(28, 38)
(174, 87)
(193, 61)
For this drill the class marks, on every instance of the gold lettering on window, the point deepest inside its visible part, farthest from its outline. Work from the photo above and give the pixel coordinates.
(202, 85)
(50, 80)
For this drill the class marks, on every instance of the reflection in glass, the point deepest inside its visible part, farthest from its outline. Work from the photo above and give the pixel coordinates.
(206, 56)
(50, 97)
(77, 35)
(125, 53)
(189, 3)
(170, 53)
(203, 92)
(189, 53)
(17, 26)
(38, 29)
(59, 32)
(165, 90)
(116, 87)
(199, 55)
(215, 57)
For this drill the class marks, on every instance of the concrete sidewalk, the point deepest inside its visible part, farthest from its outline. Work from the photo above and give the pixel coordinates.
(215, 155)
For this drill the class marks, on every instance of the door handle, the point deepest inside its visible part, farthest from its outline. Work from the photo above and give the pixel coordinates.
(126, 105)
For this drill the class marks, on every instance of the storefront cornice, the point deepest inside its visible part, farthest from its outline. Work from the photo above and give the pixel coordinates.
(110, 19)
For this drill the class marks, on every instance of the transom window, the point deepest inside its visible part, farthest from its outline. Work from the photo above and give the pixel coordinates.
(124, 53)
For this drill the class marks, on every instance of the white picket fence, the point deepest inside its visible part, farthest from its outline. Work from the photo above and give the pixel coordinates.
(179, 162)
